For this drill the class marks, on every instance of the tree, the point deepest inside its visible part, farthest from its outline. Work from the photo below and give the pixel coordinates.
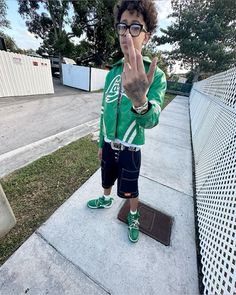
(92, 22)
(151, 51)
(49, 25)
(203, 35)
(94, 19)
(10, 43)
(4, 23)
(12, 46)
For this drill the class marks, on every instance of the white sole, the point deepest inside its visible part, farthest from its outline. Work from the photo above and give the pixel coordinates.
(104, 207)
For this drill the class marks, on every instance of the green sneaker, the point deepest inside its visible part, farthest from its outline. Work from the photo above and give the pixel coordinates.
(133, 222)
(100, 203)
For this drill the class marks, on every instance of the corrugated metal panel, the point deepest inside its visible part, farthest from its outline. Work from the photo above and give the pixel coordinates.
(24, 75)
(213, 121)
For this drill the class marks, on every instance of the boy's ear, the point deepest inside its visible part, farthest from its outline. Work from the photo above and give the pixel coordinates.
(146, 39)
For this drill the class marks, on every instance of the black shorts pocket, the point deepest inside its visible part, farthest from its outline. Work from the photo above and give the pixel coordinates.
(128, 183)
(136, 159)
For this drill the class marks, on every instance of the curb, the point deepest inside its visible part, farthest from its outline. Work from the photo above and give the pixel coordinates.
(23, 156)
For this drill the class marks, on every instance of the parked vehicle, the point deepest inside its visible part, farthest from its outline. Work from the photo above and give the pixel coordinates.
(55, 63)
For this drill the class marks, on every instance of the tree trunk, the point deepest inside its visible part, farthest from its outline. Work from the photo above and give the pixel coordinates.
(196, 74)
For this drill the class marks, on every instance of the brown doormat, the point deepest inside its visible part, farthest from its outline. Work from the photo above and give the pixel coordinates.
(152, 222)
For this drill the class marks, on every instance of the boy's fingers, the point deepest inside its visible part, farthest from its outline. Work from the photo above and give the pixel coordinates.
(139, 59)
(127, 67)
(151, 71)
(126, 72)
(131, 51)
(123, 78)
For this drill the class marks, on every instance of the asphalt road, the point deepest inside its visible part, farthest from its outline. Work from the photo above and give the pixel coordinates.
(25, 120)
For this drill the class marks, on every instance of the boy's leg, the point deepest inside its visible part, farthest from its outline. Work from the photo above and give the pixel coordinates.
(128, 188)
(109, 175)
(107, 191)
(133, 220)
(134, 204)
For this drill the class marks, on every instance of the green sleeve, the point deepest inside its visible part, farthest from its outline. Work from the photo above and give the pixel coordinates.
(101, 134)
(155, 97)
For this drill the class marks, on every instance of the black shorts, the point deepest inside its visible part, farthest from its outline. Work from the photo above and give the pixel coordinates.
(124, 166)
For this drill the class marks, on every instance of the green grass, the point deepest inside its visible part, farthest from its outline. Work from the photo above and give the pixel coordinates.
(37, 190)
(168, 99)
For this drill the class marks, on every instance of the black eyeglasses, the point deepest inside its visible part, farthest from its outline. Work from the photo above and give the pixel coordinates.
(134, 29)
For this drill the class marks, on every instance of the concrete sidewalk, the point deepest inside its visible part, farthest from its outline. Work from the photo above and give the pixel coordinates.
(84, 251)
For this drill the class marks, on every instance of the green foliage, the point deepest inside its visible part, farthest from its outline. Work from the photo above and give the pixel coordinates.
(175, 78)
(203, 34)
(4, 23)
(89, 20)
(48, 25)
(151, 51)
(95, 20)
(10, 43)
(12, 47)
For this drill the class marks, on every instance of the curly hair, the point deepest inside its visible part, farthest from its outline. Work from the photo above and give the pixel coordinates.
(146, 8)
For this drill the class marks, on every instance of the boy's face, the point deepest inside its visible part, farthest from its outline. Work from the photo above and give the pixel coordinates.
(138, 41)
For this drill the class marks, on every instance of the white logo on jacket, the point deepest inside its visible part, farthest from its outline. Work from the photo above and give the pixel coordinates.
(113, 89)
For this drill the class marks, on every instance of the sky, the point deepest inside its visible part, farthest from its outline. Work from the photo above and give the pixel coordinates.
(26, 40)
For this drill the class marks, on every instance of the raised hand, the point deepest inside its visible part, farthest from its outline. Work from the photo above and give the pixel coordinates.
(134, 79)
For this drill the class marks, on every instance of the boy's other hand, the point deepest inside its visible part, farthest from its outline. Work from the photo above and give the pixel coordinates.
(134, 78)
(100, 153)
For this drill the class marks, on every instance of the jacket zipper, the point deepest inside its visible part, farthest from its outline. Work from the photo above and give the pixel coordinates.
(118, 107)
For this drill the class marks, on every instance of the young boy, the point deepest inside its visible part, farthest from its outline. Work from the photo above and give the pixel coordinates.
(132, 100)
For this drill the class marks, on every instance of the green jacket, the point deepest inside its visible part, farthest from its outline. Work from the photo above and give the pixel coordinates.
(130, 126)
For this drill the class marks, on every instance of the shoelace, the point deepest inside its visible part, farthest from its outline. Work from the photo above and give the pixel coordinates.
(134, 224)
(99, 201)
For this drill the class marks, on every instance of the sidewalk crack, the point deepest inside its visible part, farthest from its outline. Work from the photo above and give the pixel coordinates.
(75, 265)
(166, 186)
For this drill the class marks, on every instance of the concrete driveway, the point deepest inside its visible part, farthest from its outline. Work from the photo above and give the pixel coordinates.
(26, 120)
